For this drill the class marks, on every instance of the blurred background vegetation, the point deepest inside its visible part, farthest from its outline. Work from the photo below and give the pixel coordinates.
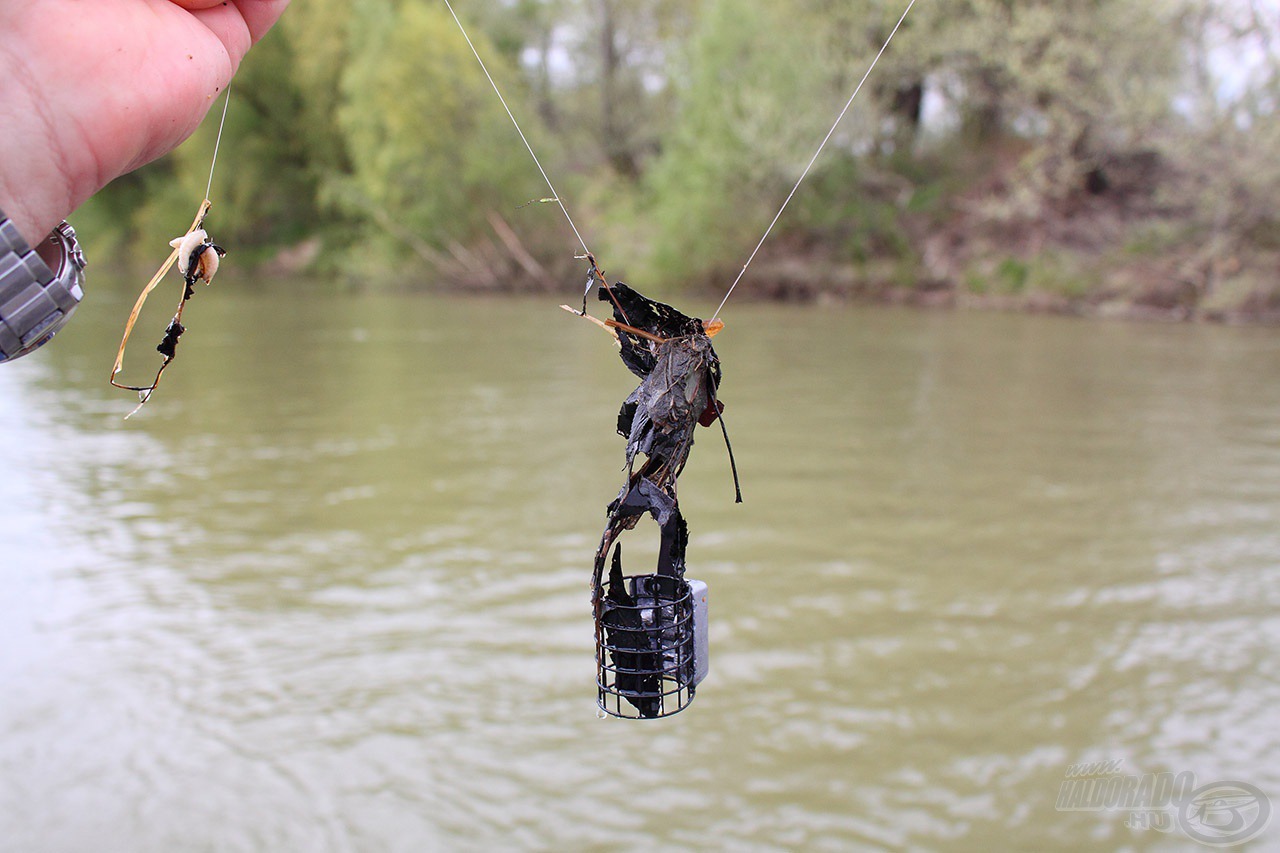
(1107, 156)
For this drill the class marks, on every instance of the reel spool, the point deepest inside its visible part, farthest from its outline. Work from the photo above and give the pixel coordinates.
(652, 644)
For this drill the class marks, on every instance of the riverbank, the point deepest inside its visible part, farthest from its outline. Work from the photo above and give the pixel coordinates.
(1124, 240)
(1177, 288)
(1118, 283)
(1124, 243)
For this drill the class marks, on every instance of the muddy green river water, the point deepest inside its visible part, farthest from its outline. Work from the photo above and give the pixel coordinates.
(329, 589)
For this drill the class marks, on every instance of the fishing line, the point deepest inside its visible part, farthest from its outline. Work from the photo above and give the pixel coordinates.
(813, 159)
(511, 115)
(218, 142)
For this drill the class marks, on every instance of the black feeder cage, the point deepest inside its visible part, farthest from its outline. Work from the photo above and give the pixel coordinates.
(651, 644)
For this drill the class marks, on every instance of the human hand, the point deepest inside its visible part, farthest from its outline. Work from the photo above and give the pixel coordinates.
(92, 90)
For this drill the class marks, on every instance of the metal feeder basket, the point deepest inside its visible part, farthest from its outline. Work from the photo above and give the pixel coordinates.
(651, 644)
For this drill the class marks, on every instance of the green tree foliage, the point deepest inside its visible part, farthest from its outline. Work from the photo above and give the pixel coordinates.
(620, 57)
(321, 48)
(431, 148)
(1077, 81)
(1230, 144)
(675, 129)
(756, 99)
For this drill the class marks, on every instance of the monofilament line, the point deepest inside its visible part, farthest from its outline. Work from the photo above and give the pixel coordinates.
(512, 116)
(813, 159)
(218, 142)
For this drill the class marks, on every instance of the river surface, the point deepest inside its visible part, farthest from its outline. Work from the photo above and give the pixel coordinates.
(329, 589)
